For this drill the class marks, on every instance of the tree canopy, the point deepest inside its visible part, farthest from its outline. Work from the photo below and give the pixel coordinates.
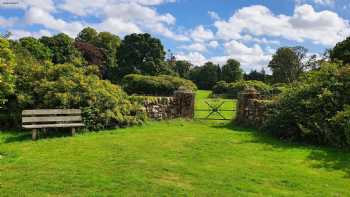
(231, 71)
(141, 54)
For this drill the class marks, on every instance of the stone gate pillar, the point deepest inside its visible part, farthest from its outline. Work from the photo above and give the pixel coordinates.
(185, 102)
(245, 98)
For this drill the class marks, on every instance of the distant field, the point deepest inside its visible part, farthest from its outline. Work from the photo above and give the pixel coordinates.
(202, 96)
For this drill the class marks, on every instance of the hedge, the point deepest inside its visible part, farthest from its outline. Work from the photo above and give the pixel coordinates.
(316, 110)
(231, 90)
(162, 85)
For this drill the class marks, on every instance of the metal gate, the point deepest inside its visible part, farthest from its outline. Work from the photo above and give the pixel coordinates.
(215, 108)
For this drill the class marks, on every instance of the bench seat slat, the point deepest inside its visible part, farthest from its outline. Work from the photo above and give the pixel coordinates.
(51, 112)
(39, 126)
(51, 119)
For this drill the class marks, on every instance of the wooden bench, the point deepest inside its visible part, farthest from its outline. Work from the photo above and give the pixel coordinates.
(51, 118)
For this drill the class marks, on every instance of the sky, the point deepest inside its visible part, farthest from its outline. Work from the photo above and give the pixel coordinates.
(198, 31)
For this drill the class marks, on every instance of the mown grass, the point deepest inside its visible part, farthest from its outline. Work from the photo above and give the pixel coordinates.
(203, 97)
(170, 158)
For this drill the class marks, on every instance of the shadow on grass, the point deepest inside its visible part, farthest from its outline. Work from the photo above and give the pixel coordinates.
(319, 157)
(20, 136)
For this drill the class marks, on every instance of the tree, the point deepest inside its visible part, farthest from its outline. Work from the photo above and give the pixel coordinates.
(287, 64)
(256, 75)
(7, 59)
(37, 49)
(109, 44)
(206, 76)
(88, 35)
(231, 71)
(91, 54)
(63, 50)
(182, 68)
(341, 51)
(141, 54)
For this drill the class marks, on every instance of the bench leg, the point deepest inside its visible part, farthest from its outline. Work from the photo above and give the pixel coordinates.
(73, 131)
(34, 134)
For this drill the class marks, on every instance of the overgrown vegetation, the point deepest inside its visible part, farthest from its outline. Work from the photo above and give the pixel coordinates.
(316, 109)
(163, 85)
(231, 90)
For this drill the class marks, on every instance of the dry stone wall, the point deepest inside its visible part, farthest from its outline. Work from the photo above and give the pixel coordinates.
(251, 108)
(181, 104)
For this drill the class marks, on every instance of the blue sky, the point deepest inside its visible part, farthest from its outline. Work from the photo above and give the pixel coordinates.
(194, 30)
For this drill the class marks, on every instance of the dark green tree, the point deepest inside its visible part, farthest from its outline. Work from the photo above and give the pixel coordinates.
(287, 64)
(88, 35)
(142, 54)
(206, 76)
(231, 71)
(182, 68)
(341, 51)
(37, 49)
(63, 50)
(109, 44)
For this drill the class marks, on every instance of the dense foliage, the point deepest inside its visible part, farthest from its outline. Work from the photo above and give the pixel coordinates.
(205, 76)
(317, 109)
(104, 105)
(231, 71)
(6, 71)
(341, 52)
(231, 90)
(141, 54)
(155, 85)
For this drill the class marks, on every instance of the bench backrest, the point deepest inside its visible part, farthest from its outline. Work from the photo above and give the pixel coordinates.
(51, 116)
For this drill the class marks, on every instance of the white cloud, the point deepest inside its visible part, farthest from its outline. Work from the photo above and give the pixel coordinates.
(40, 16)
(16, 33)
(213, 44)
(250, 57)
(131, 15)
(47, 5)
(323, 27)
(201, 34)
(195, 58)
(200, 47)
(325, 2)
(214, 15)
(8, 22)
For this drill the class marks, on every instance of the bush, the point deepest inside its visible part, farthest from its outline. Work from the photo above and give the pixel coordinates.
(104, 105)
(231, 90)
(6, 71)
(316, 109)
(162, 85)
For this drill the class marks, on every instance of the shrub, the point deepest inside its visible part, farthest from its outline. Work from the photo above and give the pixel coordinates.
(316, 109)
(162, 85)
(104, 105)
(6, 71)
(231, 90)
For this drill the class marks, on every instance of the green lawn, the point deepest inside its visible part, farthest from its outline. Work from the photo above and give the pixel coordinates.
(203, 97)
(170, 158)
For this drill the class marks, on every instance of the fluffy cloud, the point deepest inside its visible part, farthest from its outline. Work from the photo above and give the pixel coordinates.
(124, 16)
(214, 15)
(323, 27)
(16, 33)
(47, 5)
(39, 16)
(213, 44)
(200, 47)
(201, 34)
(195, 58)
